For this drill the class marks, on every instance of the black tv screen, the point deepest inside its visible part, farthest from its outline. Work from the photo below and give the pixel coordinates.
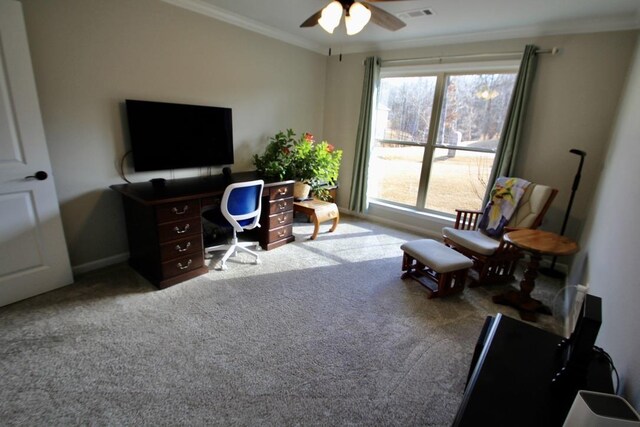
(176, 136)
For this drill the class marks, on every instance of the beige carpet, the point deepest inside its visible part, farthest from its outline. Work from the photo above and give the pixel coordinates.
(322, 333)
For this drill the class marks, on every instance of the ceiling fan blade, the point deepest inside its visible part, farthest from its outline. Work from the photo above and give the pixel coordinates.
(384, 18)
(312, 20)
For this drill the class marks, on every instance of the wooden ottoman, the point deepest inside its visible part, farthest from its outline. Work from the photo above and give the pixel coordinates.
(439, 268)
(319, 211)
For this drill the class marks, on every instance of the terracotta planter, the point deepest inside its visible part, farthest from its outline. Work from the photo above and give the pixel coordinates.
(301, 190)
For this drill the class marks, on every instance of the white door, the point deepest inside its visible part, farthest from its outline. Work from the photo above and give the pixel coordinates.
(33, 252)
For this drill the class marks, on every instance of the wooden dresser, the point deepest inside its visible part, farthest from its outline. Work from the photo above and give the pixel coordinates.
(164, 225)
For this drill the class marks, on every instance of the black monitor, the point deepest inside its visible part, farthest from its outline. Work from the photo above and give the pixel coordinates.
(176, 136)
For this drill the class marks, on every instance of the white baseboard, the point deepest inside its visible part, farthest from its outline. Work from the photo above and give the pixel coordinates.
(393, 224)
(104, 262)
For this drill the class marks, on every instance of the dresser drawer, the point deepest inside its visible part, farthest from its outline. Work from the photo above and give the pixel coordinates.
(179, 229)
(281, 192)
(180, 248)
(279, 206)
(177, 211)
(279, 220)
(182, 265)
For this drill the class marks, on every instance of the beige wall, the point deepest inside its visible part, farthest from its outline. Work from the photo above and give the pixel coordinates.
(573, 104)
(610, 243)
(90, 55)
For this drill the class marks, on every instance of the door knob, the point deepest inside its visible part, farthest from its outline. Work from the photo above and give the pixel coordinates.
(40, 176)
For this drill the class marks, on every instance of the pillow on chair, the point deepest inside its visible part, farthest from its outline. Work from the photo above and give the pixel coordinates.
(505, 197)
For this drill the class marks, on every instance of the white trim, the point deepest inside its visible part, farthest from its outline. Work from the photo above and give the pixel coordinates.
(630, 22)
(100, 263)
(451, 67)
(220, 14)
(420, 231)
(592, 26)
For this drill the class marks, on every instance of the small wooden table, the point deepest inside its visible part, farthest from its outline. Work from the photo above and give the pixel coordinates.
(536, 243)
(319, 211)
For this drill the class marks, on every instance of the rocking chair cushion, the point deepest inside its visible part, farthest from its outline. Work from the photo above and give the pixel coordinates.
(472, 239)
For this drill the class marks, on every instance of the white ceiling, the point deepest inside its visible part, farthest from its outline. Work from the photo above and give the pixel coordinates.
(454, 21)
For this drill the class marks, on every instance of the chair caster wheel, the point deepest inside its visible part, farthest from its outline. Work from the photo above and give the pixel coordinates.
(258, 261)
(222, 267)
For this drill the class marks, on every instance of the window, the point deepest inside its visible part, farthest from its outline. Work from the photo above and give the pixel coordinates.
(436, 135)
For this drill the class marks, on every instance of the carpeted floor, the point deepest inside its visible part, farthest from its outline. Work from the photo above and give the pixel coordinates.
(322, 333)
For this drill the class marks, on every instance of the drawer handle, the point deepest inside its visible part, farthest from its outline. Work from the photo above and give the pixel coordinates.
(283, 191)
(282, 206)
(184, 230)
(282, 233)
(282, 219)
(181, 249)
(184, 267)
(182, 212)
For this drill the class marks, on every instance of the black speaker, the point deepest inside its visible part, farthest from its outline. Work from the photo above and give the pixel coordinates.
(226, 171)
(577, 351)
(158, 182)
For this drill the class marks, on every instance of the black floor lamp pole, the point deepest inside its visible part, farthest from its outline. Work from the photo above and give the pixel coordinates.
(576, 182)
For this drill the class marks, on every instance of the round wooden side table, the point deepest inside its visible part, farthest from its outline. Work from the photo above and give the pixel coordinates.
(536, 243)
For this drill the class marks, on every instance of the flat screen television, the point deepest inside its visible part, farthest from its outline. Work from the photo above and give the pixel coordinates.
(175, 136)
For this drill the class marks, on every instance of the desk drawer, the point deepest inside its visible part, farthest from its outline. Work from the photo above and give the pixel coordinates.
(281, 219)
(280, 233)
(281, 192)
(177, 211)
(279, 206)
(181, 248)
(179, 229)
(182, 265)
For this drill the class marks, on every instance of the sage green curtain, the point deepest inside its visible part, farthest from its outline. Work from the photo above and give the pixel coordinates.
(505, 161)
(358, 200)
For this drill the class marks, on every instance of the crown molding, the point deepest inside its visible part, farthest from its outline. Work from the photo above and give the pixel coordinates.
(582, 27)
(220, 14)
(629, 22)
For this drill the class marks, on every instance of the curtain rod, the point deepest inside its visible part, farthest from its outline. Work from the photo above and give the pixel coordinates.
(552, 51)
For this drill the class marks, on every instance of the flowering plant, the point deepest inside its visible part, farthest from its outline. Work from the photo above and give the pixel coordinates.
(302, 159)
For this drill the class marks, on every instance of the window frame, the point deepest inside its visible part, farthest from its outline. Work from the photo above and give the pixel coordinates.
(441, 72)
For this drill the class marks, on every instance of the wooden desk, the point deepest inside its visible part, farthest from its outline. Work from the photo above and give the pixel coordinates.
(536, 243)
(164, 226)
(510, 378)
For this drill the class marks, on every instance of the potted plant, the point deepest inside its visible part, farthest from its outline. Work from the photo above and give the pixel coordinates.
(312, 165)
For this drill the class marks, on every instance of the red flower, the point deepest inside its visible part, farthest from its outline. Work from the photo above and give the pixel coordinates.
(308, 137)
(330, 148)
(285, 150)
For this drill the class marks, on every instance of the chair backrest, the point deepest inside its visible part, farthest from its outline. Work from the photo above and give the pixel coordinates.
(532, 206)
(242, 203)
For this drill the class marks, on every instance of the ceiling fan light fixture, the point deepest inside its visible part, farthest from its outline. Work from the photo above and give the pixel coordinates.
(330, 17)
(357, 18)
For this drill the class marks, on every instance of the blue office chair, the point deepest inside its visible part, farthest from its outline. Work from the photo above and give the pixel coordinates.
(241, 205)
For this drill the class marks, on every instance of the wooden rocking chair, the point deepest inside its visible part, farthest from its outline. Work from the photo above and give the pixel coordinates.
(495, 260)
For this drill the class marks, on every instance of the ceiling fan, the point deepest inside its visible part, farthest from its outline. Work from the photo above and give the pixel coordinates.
(357, 15)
